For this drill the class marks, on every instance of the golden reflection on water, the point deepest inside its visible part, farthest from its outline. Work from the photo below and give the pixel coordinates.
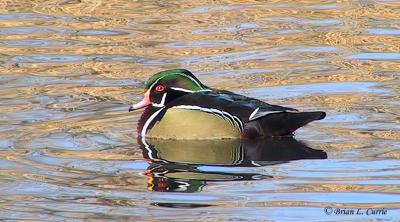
(69, 69)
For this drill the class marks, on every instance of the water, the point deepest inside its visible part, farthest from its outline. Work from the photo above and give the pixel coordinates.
(69, 149)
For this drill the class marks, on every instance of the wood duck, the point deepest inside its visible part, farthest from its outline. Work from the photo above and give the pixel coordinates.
(179, 106)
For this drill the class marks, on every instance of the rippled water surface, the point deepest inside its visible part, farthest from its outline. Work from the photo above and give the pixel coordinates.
(69, 149)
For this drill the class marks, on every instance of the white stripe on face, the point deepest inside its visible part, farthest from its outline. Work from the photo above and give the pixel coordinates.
(190, 91)
(181, 89)
(162, 103)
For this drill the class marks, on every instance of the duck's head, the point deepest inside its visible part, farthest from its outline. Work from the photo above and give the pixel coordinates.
(165, 86)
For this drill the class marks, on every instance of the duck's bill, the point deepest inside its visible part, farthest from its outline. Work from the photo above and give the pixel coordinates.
(145, 102)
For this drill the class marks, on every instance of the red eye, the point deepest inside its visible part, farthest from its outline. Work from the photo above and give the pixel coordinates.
(160, 88)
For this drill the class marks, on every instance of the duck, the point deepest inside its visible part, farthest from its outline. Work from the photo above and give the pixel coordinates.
(178, 106)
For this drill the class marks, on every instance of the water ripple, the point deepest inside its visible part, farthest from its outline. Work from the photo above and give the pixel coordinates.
(381, 31)
(69, 70)
(376, 56)
(32, 30)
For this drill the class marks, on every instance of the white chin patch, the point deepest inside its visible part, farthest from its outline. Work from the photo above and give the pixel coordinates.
(162, 103)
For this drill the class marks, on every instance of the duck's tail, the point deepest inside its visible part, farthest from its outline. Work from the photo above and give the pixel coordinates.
(285, 123)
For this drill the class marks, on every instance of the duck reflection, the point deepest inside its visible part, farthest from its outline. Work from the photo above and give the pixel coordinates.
(180, 165)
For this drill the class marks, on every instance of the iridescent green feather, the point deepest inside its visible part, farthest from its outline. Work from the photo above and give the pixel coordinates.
(181, 78)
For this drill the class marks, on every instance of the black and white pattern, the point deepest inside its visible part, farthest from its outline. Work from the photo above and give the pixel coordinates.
(233, 120)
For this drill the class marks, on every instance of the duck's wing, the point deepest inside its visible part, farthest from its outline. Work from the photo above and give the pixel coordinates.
(272, 120)
(260, 108)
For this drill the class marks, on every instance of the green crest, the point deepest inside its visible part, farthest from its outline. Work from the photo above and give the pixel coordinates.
(180, 78)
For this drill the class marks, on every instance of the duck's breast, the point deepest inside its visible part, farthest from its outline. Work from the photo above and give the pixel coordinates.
(180, 123)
